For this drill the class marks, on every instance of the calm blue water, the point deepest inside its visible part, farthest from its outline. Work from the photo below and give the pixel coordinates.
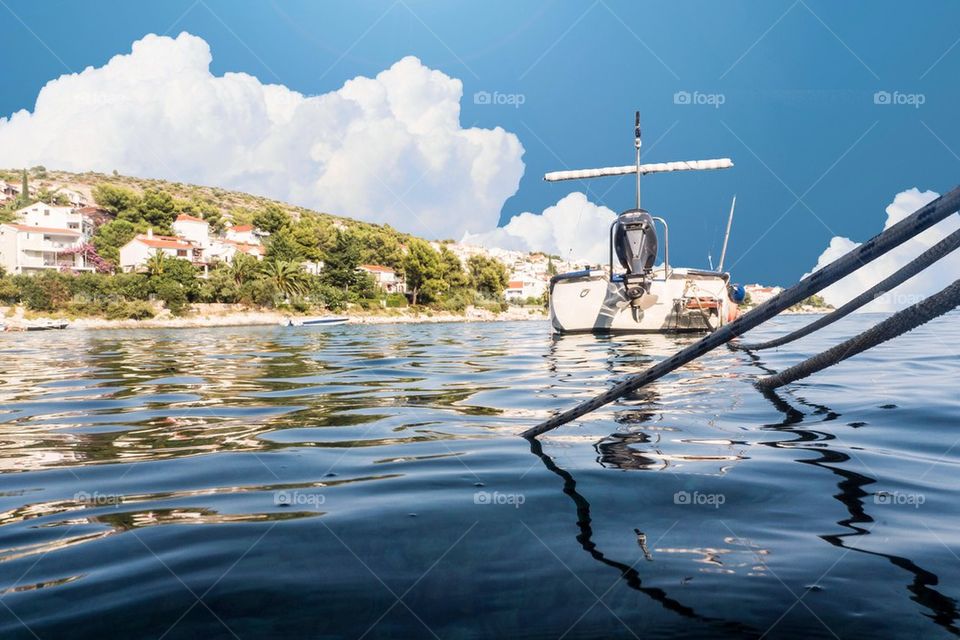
(368, 482)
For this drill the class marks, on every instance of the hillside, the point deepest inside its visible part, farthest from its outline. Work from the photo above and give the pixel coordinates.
(234, 206)
(292, 258)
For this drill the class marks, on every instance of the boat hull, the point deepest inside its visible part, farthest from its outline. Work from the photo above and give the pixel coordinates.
(686, 301)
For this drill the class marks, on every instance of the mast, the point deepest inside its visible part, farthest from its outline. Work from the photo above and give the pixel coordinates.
(636, 142)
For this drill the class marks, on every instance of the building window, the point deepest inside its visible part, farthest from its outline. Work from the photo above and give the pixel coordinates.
(181, 253)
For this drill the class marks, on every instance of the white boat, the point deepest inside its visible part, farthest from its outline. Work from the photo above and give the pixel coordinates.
(634, 295)
(313, 322)
(36, 325)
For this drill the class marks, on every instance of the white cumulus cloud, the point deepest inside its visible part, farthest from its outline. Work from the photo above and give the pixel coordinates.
(574, 228)
(385, 149)
(929, 281)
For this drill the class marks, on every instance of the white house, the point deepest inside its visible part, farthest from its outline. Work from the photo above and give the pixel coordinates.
(74, 197)
(41, 214)
(7, 191)
(135, 253)
(30, 248)
(385, 277)
(225, 250)
(526, 288)
(760, 294)
(192, 229)
(244, 233)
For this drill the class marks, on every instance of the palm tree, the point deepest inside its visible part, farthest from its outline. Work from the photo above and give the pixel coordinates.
(157, 263)
(242, 267)
(286, 276)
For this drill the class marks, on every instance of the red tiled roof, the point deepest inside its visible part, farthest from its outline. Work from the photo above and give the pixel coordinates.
(50, 230)
(185, 218)
(376, 267)
(92, 210)
(242, 228)
(164, 242)
(245, 247)
(515, 284)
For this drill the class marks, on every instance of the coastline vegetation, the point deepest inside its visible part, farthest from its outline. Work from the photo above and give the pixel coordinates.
(436, 279)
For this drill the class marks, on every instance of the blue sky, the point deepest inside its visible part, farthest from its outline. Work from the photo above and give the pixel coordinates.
(815, 156)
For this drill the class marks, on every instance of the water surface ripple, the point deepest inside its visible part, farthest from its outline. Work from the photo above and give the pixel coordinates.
(368, 481)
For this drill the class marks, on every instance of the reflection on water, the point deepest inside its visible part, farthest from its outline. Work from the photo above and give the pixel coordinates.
(268, 482)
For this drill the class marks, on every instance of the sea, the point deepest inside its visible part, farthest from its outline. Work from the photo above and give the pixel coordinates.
(363, 481)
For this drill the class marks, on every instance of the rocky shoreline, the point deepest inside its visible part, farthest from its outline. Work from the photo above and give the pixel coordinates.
(231, 316)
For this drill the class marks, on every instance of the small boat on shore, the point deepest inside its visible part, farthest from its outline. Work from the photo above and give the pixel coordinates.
(35, 326)
(634, 295)
(323, 321)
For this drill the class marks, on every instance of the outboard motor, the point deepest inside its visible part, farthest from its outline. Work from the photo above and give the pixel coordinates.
(635, 239)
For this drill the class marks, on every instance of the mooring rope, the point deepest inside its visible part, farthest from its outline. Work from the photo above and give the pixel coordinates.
(917, 222)
(897, 324)
(920, 263)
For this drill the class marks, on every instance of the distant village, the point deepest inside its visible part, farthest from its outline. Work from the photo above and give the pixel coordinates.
(46, 236)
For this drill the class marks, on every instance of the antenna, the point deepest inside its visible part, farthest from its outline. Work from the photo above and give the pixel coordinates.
(726, 236)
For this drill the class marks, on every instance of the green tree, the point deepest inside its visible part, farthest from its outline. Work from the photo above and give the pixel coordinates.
(283, 246)
(109, 237)
(451, 270)
(341, 262)
(47, 291)
(117, 200)
(156, 264)
(24, 189)
(242, 268)
(157, 208)
(488, 275)
(220, 286)
(271, 219)
(287, 277)
(421, 266)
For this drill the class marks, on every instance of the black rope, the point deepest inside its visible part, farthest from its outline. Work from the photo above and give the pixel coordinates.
(922, 261)
(917, 222)
(897, 324)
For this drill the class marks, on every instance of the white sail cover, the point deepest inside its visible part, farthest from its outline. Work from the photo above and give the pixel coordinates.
(657, 167)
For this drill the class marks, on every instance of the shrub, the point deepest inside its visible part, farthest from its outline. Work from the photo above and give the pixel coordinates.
(86, 308)
(300, 305)
(9, 293)
(396, 300)
(173, 295)
(136, 310)
(47, 291)
(261, 292)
